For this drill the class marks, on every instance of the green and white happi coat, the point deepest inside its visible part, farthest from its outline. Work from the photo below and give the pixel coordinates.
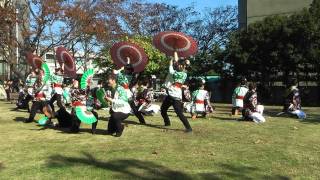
(238, 95)
(57, 79)
(30, 81)
(47, 90)
(197, 104)
(124, 80)
(199, 95)
(120, 101)
(176, 77)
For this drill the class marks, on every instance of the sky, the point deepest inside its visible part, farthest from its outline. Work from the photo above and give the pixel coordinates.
(199, 4)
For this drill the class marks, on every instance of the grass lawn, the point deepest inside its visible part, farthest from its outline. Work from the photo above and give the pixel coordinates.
(219, 148)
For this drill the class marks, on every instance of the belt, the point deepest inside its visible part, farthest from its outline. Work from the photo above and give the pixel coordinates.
(57, 85)
(239, 97)
(178, 85)
(40, 95)
(141, 101)
(199, 102)
(125, 86)
(77, 103)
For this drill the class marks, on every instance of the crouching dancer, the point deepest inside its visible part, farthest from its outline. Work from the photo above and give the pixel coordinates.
(120, 107)
(251, 110)
(39, 102)
(292, 104)
(82, 110)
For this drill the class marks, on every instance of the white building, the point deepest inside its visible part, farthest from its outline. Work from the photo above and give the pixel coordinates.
(80, 62)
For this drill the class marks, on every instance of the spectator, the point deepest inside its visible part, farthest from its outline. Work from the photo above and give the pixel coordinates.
(7, 87)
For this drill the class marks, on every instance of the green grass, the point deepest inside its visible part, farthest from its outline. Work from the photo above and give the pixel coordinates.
(219, 148)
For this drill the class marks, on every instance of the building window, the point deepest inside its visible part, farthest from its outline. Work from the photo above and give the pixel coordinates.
(49, 58)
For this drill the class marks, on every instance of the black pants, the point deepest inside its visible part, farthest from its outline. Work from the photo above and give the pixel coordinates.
(137, 113)
(64, 118)
(21, 102)
(28, 98)
(115, 120)
(36, 105)
(75, 127)
(177, 105)
(15, 88)
(56, 97)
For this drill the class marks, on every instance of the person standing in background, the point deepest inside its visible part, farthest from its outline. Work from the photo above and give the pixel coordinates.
(7, 87)
(238, 95)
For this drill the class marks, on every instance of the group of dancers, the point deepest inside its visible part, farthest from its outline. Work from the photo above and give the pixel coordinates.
(127, 93)
(245, 101)
(124, 92)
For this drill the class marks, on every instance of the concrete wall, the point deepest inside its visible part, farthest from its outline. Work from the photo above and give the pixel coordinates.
(255, 10)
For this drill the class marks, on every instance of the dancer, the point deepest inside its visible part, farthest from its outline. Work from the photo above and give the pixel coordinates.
(39, 102)
(79, 99)
(174, 97)
(126, 78)
(200, 103)
(30, 82)
(8, 89)
(293, 101)
(120, 107)
(57, 80)
(238, 95)
(252, 111)
(144, 99)
(63, 115)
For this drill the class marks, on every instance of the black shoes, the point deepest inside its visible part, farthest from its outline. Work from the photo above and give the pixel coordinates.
(118, 134)
(188, 130)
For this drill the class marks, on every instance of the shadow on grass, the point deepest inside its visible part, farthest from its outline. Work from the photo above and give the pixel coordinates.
(239, 172)
(127, 168)
(150, 125)
(68, 131)
(272, 112)
(19, 119)
(41, 128)
(225, 118)
(19, 109)
(311, 118)
(137, 169)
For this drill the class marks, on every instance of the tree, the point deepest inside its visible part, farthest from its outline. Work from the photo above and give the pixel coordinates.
(212, 32)
(314, 55)
(277, 48)
(7, 37)
(10, 18)
(157, 61)
(151, 18)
